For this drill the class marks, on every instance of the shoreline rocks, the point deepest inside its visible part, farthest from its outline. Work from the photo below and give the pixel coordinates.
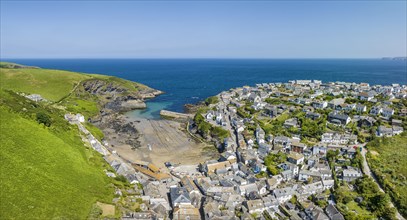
(132, 105)
(192, 108)
(115, 100)
(152, 94)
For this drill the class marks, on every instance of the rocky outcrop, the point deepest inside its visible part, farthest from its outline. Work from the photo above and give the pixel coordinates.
(193, 108)
(106, 88)
(150, 94)
(118, 130)
(133, 104)
(114, 97)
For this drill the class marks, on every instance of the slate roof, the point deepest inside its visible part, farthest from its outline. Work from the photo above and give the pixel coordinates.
(179, 195)
(333, 213)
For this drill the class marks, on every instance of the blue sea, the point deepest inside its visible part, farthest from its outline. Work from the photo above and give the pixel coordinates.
(192, 80)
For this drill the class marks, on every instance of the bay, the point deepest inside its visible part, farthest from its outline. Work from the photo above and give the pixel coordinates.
(192, 80)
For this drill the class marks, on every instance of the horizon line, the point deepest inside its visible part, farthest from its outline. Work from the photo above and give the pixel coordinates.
(196, 58)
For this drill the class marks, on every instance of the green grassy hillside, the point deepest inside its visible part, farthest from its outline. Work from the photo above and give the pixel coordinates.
(46, 172)
(50, 84)
(53, 85)
(387, 159)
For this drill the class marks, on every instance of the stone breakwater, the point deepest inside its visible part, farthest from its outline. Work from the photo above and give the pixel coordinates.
(175, 115)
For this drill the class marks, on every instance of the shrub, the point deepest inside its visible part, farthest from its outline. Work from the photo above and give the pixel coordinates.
(211, 100)
(43, 118)
(204, 127)
(198, 118)
(273, 170)
(121, 178)
(219, 132)
(95, 212)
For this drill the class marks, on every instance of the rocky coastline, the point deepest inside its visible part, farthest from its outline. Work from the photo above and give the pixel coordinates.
(114, 100)
(193, 108)
(140, 139)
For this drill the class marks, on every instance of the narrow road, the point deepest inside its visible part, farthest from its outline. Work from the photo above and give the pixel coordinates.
(367, 171)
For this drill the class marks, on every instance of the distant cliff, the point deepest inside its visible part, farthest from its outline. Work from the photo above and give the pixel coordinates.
(8, 65)
(394, 58)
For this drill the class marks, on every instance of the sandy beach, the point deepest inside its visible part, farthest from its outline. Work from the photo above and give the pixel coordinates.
(161, 141)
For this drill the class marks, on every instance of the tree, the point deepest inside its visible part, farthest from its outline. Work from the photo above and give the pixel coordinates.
(380, 206)
(211, 100)
(198, 118)
(204, 127)
(322, 203)
(273, 170)
(331, 155)
(357, 160)
(43, 118)
(220, 132)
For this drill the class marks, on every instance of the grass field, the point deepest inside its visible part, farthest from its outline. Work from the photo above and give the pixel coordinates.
(85, 107)
(389, 164)
(132, 86)
(53, 85)
(46, 172)
(50, 84)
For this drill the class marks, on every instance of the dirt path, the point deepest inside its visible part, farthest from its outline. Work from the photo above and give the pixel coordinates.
(70, 93)
(367, 171)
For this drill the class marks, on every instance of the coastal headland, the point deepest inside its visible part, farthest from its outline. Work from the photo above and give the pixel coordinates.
(288, 144)
(36, 105)
(103, 101)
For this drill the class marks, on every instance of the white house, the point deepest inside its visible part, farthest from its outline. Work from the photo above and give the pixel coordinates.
(319, 104)
(80, 117)
(376, 110)
(361, 108)
(179, 196)
(328, 183)
(312, 188)
(305, 174)
(248, 188)
(210, 115)
(284, 194)
(351, 174)
(366, 96)
(387, 112)
(254, 206)
(397, 130)
(296, 158)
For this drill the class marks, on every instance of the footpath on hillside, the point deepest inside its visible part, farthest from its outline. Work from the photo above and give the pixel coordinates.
(367, 171)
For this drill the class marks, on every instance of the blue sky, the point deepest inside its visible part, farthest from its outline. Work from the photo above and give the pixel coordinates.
(203, 29)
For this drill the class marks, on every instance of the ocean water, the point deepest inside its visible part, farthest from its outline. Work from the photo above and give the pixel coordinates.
(192, 80)
(152, 111)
